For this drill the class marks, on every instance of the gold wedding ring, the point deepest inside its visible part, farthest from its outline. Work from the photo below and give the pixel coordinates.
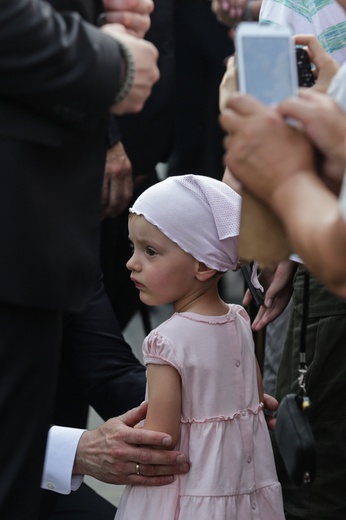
(137, 469)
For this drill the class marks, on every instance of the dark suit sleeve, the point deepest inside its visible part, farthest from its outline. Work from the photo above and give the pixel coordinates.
(103, 364)
(55, 63)
(114, 134)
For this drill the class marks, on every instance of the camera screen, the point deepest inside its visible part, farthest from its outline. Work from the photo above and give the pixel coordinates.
(267, 69)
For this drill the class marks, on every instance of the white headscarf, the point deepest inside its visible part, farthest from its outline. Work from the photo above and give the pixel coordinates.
(199, 213)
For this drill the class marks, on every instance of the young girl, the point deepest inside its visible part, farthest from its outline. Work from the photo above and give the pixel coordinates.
(201, 368)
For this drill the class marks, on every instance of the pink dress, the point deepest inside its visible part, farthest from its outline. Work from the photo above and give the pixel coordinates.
(223, 429)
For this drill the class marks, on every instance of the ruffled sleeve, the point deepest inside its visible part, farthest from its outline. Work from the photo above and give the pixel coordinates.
(158, 350)
(243, 324)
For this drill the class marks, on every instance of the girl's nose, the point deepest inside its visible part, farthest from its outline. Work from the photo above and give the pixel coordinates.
(129, 263)
(132, 264)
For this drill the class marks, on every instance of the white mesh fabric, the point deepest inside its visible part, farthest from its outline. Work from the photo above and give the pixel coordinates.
(218, 197)
(198, 213)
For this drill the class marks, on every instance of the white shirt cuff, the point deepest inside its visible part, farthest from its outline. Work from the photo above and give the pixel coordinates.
(61, 451)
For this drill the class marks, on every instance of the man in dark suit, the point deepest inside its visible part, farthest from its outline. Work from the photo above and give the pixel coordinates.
(148, 139)
(58, 79)
(98, 368)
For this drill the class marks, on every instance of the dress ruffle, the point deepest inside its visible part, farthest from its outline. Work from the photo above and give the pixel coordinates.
(219, 418)
(223, 429)
(157, 503)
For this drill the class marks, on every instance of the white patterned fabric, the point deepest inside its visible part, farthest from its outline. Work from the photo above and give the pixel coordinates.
(326, 19)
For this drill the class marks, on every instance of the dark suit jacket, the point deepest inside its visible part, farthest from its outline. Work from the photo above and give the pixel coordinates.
(54, 99)
(148, 139)
(98, 368)
(148, 136)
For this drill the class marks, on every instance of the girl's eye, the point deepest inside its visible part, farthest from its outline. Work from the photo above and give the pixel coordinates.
(132, 247)
(150, 251)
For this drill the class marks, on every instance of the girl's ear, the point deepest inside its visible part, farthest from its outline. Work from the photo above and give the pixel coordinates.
(204, 273)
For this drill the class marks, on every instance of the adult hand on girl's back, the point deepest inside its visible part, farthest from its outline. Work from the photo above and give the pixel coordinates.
(118, 453)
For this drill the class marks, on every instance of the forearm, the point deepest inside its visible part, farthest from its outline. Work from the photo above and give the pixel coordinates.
(103, 363)
(312, 217)
(164, 407)
(56, 64)
(255, 9)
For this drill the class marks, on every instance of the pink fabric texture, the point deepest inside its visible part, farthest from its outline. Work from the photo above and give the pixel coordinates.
(223, 429)
(198, 213)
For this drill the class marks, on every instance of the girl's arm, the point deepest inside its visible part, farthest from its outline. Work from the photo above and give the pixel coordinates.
(259, 383)
(164, 400)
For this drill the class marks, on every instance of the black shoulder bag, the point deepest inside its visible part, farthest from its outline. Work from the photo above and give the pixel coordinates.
(292, 432)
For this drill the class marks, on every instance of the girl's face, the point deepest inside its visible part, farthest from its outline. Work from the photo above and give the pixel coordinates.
(160, 269)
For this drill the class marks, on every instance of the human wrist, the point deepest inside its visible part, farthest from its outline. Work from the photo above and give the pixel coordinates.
(254, 8)
(287, 190)
(128, 69)
(248, 11)
(79, 465)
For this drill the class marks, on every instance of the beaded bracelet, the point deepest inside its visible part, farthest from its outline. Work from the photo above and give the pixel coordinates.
(130, 69)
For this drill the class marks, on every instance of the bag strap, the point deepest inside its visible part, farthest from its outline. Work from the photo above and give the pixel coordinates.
(302, 354)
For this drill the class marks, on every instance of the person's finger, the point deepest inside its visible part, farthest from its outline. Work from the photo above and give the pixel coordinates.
(258, 320)
(271, 405)
(138, 480)
(157, 470)
(271, 422)
(298, 108)
(148, 462)
(228, 84)
(139, 6)
(135, 23)
(247, 299)
(142, 437)
(110, 28)
(265, 316)
(310, 41)
(270, 402)
(239, 107)
(316, 53)
(135, 415)
(153, 458)
(304, 108)
(244, 104)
